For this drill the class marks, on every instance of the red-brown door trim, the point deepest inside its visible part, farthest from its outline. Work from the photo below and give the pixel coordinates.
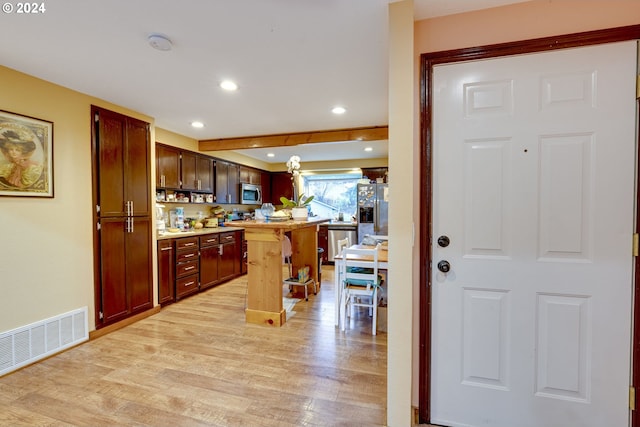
(427, 62)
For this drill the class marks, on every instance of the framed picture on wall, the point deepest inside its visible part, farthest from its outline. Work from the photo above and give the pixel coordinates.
(26, 156)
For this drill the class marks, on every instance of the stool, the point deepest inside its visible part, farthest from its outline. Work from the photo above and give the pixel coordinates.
(292, 281)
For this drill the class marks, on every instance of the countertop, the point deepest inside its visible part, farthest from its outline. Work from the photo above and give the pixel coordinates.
(200, 232)
(288, 225)
(340, 224)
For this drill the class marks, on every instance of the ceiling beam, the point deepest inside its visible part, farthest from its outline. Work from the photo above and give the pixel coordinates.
(374, 133)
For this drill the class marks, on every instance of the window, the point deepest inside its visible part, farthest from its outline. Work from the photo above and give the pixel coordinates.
(333, 193)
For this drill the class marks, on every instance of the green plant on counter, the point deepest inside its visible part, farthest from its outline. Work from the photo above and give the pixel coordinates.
(302, 202)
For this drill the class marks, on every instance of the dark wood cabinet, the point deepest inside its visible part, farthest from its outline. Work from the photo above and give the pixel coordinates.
(374, 173)
(323, 242)
(166, 272)
(250, 175)
(197, 172)
(227, 182)
(187, 266)
(121, 177)
(281, 185)
(167, 166)
(229, 265)
(265, 184)
(243, 255)
(209, 260)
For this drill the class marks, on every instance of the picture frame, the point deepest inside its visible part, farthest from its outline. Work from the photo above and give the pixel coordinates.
(26, 156)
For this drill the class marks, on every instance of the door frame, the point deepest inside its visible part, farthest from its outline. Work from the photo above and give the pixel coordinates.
(427, 62)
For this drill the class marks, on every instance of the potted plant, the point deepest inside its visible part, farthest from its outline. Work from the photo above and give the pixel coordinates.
(299, 208)
(299, 204)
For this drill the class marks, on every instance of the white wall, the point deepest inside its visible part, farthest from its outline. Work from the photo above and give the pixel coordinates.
(402, 191)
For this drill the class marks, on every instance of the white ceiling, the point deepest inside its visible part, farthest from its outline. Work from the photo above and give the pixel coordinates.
(293, 61)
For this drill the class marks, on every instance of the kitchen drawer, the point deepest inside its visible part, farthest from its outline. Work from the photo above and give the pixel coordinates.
(186, 285)
(187, 255)
(210, 240)
(187, 243)
(188, 267)
(227, 237)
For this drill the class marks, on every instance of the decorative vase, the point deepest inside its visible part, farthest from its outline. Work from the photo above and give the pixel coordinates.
(299, 214)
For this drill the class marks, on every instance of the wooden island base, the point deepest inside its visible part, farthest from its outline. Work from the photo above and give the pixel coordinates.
(264, 264)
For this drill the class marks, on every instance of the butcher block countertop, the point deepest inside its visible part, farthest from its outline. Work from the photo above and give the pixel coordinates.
(286, 225)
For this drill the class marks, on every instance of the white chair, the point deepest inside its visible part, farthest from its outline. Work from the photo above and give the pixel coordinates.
(360, 283)
(343, 243)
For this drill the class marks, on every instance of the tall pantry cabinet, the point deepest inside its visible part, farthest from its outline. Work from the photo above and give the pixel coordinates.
(122, 235)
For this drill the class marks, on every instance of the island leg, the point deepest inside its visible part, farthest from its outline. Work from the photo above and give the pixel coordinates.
(264, 277)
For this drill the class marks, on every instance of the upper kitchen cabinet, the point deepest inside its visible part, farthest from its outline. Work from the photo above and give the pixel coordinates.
(281, 185)
(197, 172)
(227, 182)
(250, 175)
(167, 166)
(265, 183)
(374, 173)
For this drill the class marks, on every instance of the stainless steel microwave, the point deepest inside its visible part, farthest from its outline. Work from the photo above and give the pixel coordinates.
(250, 194)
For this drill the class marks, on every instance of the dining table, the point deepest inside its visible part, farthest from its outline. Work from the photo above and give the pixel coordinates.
(383, 264)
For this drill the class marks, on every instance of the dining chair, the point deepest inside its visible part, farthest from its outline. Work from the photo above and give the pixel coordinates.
(343, 243)
(360, 283)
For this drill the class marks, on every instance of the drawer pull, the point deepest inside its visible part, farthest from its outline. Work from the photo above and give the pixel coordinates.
(189, 284)
(166, 249)
(189, 244)
(189, 268)
(188, 255)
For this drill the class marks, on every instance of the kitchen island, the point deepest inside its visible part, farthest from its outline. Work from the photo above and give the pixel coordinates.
(264, 265)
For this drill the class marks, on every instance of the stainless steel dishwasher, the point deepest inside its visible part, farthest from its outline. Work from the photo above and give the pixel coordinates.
(338, 232)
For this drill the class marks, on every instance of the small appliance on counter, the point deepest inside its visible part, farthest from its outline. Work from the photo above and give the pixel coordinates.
(161, 225)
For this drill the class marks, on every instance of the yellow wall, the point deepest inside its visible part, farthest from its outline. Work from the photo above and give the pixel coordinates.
(496, 25)
(46, 256)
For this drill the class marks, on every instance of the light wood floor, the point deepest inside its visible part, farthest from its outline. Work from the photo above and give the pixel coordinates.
(197, 363)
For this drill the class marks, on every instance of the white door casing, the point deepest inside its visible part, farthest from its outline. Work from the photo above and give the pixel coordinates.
(533, 182)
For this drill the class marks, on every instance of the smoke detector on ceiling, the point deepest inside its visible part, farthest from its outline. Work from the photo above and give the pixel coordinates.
(159, 42)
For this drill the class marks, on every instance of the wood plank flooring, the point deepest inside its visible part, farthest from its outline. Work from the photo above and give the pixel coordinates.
(198, 363)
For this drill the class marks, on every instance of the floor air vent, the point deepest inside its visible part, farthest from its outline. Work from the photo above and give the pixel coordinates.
(27, 344)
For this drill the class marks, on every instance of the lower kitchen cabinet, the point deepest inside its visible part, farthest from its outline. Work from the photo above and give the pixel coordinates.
(187, 266)
(209, 260)
(229, 265)
(191, 264)
(323, 242)
(166, 272)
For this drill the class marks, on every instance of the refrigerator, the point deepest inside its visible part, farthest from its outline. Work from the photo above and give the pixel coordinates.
(373, 209)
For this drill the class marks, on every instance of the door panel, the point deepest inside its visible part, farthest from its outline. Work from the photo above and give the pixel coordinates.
(111, 163)
(113, 269)
(137, 168)
(534, 185)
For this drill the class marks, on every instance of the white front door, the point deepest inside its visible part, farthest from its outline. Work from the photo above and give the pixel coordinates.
(534, 160)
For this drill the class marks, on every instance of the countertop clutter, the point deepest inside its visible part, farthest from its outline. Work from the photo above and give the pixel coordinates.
(197, 232)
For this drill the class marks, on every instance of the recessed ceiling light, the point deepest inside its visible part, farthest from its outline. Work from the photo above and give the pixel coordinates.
(228, 85)
(270, 155)
(197, 124)
(338, 110)
(368, 149)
